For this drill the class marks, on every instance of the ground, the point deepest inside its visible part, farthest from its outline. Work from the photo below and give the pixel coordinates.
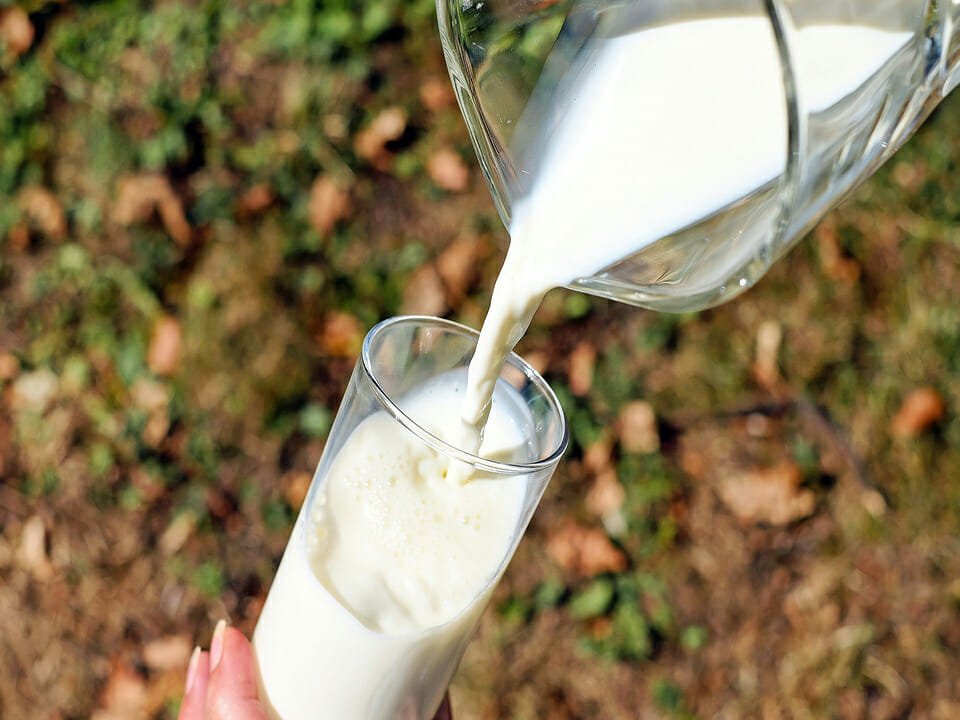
(204, 205)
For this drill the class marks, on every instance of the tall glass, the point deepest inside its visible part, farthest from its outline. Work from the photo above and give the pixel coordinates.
(748, 120)
(316, 657)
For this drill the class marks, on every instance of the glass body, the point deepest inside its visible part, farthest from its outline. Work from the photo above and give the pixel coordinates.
(316, 659)
(513, 65)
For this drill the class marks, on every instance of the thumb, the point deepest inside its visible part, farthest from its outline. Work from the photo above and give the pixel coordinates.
(232, 687)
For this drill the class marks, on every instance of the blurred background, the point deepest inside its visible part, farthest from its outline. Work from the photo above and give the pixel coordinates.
(203, 207)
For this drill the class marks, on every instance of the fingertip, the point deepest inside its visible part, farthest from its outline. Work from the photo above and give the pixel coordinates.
(233, 682)
(216, 644)
(194, 702)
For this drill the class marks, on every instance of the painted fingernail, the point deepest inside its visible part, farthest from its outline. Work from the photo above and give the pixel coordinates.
(216, 645)
(192, 669)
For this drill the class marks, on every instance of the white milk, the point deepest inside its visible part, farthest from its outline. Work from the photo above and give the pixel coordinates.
(380, 588)
(647, 144)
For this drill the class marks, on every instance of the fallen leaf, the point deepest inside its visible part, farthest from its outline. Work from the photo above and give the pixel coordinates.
(342, 335)
(458, 265)
(424, 293)
(835, 265)
(139, 196)
(32, 554)
(851, 704)
(295, 485)
(772, 495)
(436, 93)
(168, 653)
(150, 395)
(921, 408)
(448, 171)
(9, 366)
(150, 488)
(166, 343)
(584, 551)
(16, 32)
(598, 456)
(765, 367)
(329, 204)
(580, 368)
(34, 390)
(370, 143)
(218, 503)
(606, 495)
(177, 533)
(18, 237)
(255, 200)
(124, 697)
(154, 398)
(637, 426)
(335, 126)
(44, 211)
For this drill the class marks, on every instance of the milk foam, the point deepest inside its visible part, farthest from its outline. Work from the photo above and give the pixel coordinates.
(401, 546)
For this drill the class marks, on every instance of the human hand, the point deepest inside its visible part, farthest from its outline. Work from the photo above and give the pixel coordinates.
(222, 683)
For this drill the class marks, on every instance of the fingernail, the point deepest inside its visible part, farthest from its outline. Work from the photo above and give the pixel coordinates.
(192, 669)
(216, 645)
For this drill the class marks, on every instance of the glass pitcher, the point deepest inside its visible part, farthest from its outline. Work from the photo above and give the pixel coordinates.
(687, 144)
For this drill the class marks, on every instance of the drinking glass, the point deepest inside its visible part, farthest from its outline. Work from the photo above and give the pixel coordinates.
(516, 65)
(315, 658)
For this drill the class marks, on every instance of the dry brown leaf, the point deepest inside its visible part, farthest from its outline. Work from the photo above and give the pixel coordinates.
(150, 488)
(423, 293)
(921, 408)
(835, 265)
(255, 200)
(168, 653)
(580, 368)
(18, 238)
(335, 126)
(606, 495)
(910, 176)
(598, 456)
(637, 425)
(448, 171)
(150, 395)
(34, 390)
(124, 697)
(154, 398)
(458, 265)
(329, 204)
(584, 551)
(16, 32)
(217, 502)
(44, 211)
(166, 343)
(295, 485)
(370, 143)
(139, 196)
(772, 495)
(32, 553)
(342, 335)
(177, 533)
(436, 93)
(765, 367)
(9, 366)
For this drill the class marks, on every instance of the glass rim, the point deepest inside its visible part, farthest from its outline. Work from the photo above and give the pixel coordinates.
(452, 451)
